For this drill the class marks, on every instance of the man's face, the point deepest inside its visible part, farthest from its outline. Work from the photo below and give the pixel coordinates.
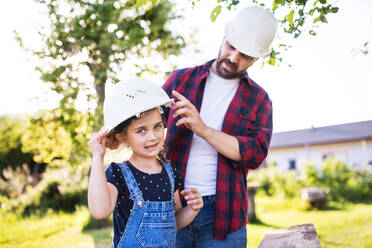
(231, 63)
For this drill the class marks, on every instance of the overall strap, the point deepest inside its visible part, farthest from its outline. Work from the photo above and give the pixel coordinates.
(135, 192)
(169, 170)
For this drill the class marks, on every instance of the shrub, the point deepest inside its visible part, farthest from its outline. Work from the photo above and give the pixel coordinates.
(338, 180)
(61, 189)
(275, 183)
(51, 197)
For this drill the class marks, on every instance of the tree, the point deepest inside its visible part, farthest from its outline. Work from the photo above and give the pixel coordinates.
(31, 144)
(292, 15)
(84, 47)
(46, 139)
(88, 41)
(11, 155)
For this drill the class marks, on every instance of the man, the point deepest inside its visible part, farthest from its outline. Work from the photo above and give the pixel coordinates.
(221, 127)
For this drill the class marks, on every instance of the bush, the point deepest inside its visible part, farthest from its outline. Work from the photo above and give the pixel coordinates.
(338, 180)
(61, 189)
(51, 197)
(275, 183)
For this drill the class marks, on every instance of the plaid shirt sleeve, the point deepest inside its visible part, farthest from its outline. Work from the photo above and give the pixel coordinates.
(254, 146)
(167, 87)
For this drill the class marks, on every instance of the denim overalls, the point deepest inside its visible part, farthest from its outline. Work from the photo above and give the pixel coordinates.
(150, 224)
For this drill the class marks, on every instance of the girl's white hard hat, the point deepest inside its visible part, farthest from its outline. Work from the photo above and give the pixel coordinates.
(130, 98)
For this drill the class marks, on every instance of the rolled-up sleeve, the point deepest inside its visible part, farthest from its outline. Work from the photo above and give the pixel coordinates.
(254, 147)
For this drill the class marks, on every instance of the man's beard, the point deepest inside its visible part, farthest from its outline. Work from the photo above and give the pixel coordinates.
(225, 74)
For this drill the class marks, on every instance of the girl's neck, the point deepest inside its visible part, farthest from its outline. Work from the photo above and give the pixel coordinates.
(147, 165)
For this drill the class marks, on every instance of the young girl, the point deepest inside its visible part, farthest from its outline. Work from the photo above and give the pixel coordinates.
(143, 191)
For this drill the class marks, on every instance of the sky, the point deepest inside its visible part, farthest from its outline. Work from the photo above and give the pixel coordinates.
(329, 81)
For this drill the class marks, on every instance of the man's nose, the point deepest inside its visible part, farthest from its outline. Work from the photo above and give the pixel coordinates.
(234, 56)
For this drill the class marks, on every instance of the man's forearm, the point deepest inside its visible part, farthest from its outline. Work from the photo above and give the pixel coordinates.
(224, 143)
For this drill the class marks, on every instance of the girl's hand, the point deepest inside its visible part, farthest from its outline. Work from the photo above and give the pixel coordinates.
(193, 198)
(97, 142)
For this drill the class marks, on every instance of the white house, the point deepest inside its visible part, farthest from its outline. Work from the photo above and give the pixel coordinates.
(351, 143)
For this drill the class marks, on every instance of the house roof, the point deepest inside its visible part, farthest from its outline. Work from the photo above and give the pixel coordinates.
(323, 135)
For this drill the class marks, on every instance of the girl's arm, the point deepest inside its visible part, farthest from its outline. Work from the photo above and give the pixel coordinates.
(102, 195)
(184, 216)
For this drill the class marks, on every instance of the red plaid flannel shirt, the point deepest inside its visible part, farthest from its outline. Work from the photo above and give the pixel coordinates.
(248, 118)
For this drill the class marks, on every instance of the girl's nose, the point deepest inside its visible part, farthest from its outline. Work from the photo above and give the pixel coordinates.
(151, 135)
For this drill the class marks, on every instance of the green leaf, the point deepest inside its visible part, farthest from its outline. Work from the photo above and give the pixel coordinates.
(323, 19)
(323, 1)
(141, 3)
(275, 5)
(334, 10)
(271, 61)
(280, 2)
(290, 18)
(312, 32)
(215, 12)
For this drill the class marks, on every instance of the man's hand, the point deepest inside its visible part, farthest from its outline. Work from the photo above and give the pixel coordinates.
(189, 115)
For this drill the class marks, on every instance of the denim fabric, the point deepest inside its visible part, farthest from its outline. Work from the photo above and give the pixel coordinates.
(150, 224)
(199, 234)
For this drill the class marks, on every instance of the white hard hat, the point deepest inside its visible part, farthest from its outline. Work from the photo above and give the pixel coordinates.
(251, 31)
(130, 98)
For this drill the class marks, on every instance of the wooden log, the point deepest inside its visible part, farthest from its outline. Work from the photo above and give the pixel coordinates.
(315, 196)
(299, 236)
(251, 204)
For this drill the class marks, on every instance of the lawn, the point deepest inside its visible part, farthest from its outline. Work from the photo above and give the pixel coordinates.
(348, 226)
(341, 227)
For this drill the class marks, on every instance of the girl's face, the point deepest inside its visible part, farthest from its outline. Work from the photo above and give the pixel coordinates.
(145, 135)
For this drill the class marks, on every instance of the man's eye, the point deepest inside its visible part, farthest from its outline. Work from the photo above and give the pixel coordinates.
(247, 57)
(229, 45)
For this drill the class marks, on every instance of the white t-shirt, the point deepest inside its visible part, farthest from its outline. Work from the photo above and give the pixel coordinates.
(201, 170)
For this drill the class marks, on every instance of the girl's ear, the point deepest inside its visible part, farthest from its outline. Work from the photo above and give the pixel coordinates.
(120, 137)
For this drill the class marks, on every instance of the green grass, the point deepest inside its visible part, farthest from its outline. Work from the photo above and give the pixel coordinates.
(51, 230)
(349, 226)
(339, 226)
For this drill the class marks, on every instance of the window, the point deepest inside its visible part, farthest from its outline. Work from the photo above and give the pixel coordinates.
(292, 164)
(327, 155)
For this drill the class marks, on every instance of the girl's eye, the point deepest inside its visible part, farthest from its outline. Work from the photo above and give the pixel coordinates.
(141, 131)
(158, 126)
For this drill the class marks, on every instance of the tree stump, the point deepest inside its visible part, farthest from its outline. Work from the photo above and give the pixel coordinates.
(251, 205)
(316, 197)
(300, 236)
